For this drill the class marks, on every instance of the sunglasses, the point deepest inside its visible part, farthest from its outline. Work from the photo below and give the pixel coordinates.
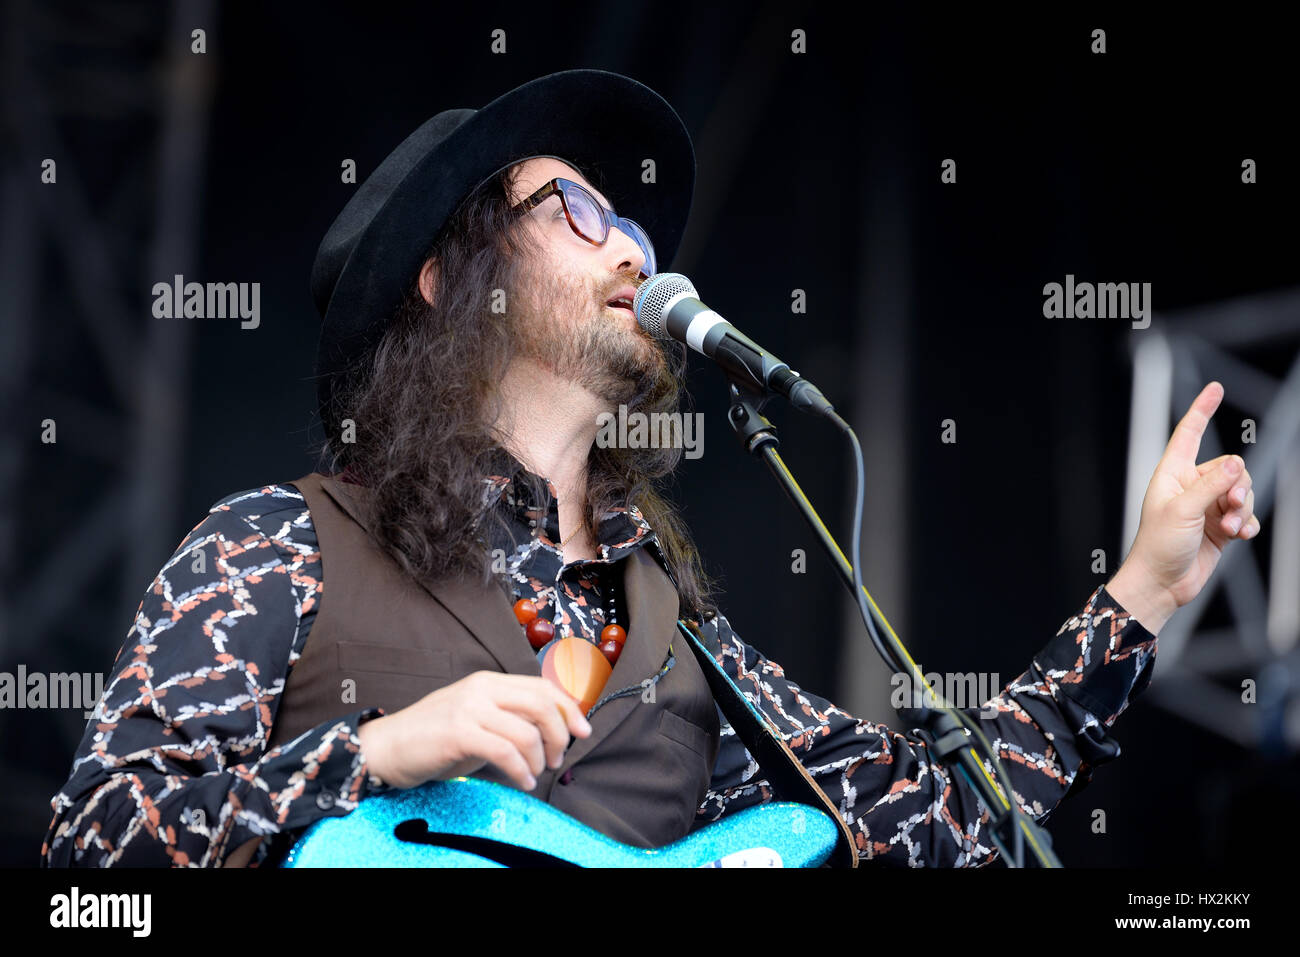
(590, 220)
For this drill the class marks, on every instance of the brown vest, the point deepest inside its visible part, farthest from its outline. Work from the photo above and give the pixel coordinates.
(638, 777)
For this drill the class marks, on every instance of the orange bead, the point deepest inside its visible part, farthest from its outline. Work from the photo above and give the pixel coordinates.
(579, 668)
(539, 632)
(611, 650)
(525, 610)
(613, 633)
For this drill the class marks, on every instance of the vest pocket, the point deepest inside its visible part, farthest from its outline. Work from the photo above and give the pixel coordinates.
(393, 659)
(685, 732)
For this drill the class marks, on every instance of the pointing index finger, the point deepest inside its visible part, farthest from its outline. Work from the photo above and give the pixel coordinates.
(1185, 443)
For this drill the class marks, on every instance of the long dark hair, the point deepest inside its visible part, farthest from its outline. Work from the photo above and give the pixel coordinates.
(424, 398)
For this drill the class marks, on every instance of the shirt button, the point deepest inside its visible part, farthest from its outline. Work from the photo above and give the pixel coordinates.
(325, 800)
(567, 776)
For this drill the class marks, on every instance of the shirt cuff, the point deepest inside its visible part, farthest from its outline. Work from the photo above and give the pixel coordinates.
(1101, 658)
(323, 771)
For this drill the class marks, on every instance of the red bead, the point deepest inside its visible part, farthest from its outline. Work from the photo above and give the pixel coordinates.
(525, 610)
(539, 632)
(613, 633)
(611, 650)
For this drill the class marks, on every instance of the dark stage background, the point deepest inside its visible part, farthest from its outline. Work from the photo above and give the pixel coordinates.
(818, 171)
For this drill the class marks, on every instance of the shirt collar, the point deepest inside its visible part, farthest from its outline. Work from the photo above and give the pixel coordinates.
(510, 486)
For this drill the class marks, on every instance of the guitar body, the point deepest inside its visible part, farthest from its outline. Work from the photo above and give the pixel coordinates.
(467, 822)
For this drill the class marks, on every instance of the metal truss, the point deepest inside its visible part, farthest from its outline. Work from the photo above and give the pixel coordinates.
(1200, 668)
(116, 98)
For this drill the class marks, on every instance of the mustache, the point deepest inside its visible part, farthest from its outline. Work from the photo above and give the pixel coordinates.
(622, 281)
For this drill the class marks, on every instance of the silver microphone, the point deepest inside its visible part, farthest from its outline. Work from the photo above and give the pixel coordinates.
(668, 307)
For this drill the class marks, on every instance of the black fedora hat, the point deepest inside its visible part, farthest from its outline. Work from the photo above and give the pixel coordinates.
(597, 120)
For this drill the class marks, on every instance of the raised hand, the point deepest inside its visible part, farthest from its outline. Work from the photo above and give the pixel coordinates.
(1189, 515)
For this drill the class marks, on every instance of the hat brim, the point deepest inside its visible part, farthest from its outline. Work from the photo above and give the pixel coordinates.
(601, 121)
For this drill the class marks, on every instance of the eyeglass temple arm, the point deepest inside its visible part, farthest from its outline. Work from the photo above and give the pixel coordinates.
(543, 193)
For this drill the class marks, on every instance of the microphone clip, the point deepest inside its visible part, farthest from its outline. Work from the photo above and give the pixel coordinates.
(744, 413)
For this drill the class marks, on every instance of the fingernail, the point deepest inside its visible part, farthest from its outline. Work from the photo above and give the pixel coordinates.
(1234, 524)
(532, 783)
(1232, 466)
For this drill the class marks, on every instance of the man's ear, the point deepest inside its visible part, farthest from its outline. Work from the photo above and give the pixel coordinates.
(429, 280)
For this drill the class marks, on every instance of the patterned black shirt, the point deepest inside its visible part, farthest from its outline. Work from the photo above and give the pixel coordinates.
(174, 767)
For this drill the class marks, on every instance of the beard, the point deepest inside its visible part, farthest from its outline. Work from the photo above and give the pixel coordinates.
(562, 323)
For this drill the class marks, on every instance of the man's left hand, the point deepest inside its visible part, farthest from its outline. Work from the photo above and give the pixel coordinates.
(1189, 515)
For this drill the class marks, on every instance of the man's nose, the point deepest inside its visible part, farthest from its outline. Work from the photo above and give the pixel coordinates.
(623, 252)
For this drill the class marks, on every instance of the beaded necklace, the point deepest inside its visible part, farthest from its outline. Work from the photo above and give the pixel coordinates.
(577, 665)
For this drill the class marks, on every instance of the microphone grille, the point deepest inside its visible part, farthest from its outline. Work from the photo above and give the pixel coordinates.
(653, 295)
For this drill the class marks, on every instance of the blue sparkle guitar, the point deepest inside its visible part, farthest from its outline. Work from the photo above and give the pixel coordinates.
(467, 822)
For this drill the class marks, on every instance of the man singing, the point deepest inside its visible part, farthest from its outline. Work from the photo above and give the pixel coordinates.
(473, 585)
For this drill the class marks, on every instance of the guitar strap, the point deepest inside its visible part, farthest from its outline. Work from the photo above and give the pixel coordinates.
(789, 778)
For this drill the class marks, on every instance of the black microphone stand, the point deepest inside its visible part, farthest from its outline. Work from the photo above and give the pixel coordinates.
(951, 736)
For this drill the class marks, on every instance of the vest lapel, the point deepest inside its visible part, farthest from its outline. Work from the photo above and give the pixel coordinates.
(652, 620)
(484, 610)
(487, 614)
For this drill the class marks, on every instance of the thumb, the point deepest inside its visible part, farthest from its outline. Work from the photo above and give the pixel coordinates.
(1198, 497)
